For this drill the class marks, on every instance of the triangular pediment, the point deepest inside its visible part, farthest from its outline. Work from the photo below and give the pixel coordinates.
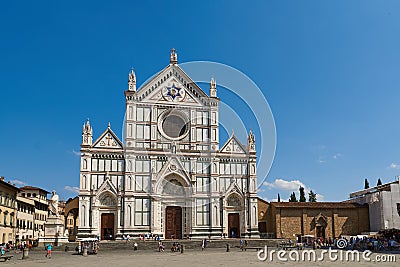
(233, 188)
(233, 146)
(173, 165)
(107, 186)
(108, 139)
(172, 86)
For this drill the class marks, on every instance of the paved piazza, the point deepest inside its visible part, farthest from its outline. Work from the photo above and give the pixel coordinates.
(217, 257)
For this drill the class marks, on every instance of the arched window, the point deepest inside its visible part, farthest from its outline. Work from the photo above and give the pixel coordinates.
(84, 164)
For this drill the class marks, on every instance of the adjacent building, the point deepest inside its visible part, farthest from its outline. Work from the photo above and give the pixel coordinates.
(25, 226)
(384, 205)
(319, 219)
(8, 204)
(170, 176)
(39, 196)
(71, 212)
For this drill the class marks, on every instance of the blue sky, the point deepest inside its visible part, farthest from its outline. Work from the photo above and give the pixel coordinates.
(329, 70)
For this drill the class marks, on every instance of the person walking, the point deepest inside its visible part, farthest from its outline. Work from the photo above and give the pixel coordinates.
(48, 248)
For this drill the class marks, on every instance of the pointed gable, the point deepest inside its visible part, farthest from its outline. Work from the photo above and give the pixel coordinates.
(172, 85)
(174, 165)
(233, 146)
(107, 186)
(108, 139)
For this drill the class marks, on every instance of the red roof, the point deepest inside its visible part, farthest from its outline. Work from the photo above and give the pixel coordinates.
(327, 205)
(28, 187)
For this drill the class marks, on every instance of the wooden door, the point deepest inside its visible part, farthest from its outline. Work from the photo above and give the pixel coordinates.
(107, 226)
(262, 227)
(233, 225)
(173, 223)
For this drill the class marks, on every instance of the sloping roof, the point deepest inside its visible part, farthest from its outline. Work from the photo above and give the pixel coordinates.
(317, 205)
(233, 138)
(174, 69)
(118, 144)
(8, 184)
(27, 187)
(262, 200)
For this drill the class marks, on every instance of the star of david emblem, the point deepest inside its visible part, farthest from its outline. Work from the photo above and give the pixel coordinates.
(173, 91)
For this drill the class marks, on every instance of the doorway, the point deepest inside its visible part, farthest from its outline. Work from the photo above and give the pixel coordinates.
(173, 222)
(107, 226)
(233, 225)
(321, 231)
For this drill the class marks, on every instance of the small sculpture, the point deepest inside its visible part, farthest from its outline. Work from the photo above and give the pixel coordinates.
(54, 204)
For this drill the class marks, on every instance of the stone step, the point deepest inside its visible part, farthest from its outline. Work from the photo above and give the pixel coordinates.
(153, 245)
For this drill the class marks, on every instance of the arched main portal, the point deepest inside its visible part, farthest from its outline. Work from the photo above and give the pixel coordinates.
(175, 206)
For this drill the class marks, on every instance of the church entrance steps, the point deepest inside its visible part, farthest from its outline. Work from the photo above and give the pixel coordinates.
(188, 244)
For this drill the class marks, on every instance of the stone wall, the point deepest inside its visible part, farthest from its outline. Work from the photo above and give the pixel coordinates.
(290, 219)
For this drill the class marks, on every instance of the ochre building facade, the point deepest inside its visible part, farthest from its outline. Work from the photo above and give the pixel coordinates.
(319, 219)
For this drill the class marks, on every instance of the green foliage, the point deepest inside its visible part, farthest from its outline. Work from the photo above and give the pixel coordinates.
(302, 194)
(312, 197)
(366, 184)
(293, 198)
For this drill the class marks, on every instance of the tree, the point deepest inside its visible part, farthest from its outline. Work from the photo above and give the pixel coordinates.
(366, 184)
(302, 194)
(312, 197)
(293, 198)
(379, 182)
(279, 198)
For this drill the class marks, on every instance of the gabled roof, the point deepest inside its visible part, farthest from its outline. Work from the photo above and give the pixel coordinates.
(162, 78)
(108, 139)
(233, 146)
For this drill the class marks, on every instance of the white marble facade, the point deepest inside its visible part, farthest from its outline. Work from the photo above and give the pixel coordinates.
(170, 176)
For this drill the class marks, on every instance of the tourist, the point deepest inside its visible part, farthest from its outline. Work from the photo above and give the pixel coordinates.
(48, 248)
(203, 244)
(161, 247)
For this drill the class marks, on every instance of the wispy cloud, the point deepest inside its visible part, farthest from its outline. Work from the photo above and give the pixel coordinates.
(73, 189)
(327, 158)
(395, 166)
(76, 153)
(336, 156)
(291, 186)
(17, 182)
(285, 185)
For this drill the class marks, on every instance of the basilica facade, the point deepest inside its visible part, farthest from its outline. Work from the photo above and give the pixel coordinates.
(170, 176)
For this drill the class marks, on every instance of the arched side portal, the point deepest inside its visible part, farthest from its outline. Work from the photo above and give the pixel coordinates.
(235, 213)
(107, 208)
